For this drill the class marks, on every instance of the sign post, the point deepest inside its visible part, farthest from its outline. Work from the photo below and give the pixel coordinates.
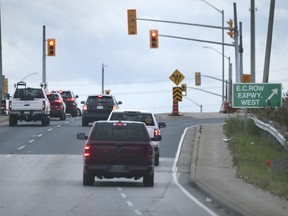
(257, 95)
(177, 78)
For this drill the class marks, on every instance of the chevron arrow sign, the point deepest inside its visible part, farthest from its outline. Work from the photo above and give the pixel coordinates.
(177, 93)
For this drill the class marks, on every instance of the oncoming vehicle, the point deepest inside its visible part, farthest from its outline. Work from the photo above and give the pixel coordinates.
(98, 107)
(57, 105)
(150, 121)
(116, 149)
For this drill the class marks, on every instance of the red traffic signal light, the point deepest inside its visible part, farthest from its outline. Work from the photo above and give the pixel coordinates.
(153, 38)
(51, 46)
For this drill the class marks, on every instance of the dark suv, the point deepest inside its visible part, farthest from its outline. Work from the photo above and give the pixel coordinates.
(70, 101)
(98, 107)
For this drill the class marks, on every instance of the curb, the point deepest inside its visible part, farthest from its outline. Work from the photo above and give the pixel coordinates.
(217, 198)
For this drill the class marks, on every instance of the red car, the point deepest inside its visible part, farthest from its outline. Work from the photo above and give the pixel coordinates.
(57, 105)
(3, 106)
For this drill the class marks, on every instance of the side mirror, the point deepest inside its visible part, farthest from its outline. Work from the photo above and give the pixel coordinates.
(119, 102)
(157, 138)
(82, 136)
(82, 102)
(161, 124)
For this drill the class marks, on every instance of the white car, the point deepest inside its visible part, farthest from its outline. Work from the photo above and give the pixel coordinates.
(148, 118)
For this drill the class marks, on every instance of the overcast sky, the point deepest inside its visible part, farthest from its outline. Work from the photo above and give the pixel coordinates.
(90, 33)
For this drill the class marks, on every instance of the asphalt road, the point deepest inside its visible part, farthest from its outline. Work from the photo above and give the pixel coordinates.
(41, 174)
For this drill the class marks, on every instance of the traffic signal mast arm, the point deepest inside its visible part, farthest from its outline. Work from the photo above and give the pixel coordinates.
(192, 24)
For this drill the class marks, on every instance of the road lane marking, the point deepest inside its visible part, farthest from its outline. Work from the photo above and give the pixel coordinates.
(129, 203)
(123, 195)
(50, 129)
(58, 126)
(137, 212)
(175, 179)
(21, 147)
(40, 135)
(30, 141)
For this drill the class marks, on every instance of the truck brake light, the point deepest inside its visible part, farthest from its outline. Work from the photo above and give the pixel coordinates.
(87, 152)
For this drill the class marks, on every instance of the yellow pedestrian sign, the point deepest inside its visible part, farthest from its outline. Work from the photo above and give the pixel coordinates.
(176, 77)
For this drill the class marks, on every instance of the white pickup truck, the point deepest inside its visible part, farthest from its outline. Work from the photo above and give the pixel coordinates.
(29, 104)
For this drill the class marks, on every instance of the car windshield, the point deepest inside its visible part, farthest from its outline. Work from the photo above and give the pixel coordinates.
(112, 132)
(133, 116)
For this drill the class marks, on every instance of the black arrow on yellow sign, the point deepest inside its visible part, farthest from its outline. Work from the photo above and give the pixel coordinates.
(177, 93)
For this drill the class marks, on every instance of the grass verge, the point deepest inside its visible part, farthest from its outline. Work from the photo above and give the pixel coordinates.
(258, 159)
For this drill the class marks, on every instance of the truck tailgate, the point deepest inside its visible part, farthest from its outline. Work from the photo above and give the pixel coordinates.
(25, 105)
(122, 153)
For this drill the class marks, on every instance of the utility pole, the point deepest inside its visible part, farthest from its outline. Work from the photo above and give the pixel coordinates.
(269, 43)
(44, 57)
(1, 72)
(252, 10)
(236, 35)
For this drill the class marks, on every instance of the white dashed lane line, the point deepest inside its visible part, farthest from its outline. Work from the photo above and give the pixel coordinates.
(21, 147)
(129, 203)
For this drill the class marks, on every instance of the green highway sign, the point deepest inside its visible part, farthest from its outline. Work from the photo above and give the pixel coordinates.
(256, 95)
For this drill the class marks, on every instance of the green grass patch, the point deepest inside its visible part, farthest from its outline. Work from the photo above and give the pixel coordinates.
(251, 149)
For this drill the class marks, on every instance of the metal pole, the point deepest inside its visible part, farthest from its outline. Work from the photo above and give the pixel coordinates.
(1, 72)
(223, 68)
(269, 43)
(102, 78)
(241, 49)
(44, 56)
(230, 81)
(236, 34)
(253, 67)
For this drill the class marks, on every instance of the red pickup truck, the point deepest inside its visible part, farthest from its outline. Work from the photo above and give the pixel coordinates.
(116, 149)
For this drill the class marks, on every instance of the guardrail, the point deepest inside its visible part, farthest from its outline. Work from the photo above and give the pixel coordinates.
(271, 130)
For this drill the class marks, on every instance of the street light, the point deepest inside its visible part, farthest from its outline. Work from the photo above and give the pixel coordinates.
(223, 70)
(229, 74)
(28, 76)
(103, 66)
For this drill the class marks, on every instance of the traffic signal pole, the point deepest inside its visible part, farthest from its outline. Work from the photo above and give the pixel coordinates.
(44, 56)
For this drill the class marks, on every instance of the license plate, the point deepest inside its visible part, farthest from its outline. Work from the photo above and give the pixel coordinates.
(99, 107)
(26, 113)
(117, 168)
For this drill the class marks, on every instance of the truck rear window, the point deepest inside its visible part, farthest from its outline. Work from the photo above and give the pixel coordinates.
(133, 116)
(28, 93)
(111, 132)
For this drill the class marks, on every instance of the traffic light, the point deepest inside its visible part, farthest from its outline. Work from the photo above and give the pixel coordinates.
(184, 89)
(231, 29)
(132, 22)
(153, 39)
(51, 46)
(197, 78)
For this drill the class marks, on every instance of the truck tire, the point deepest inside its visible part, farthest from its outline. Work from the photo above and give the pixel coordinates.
(148, 180)
(84, 122)
(12, 121)
(88, 179)
(62, 116)
(156, 161)
(45, 121)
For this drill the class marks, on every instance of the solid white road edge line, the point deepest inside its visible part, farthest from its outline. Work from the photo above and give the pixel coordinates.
(175, 179)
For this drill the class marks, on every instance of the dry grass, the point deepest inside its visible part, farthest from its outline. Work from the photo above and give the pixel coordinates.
(252, 151)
